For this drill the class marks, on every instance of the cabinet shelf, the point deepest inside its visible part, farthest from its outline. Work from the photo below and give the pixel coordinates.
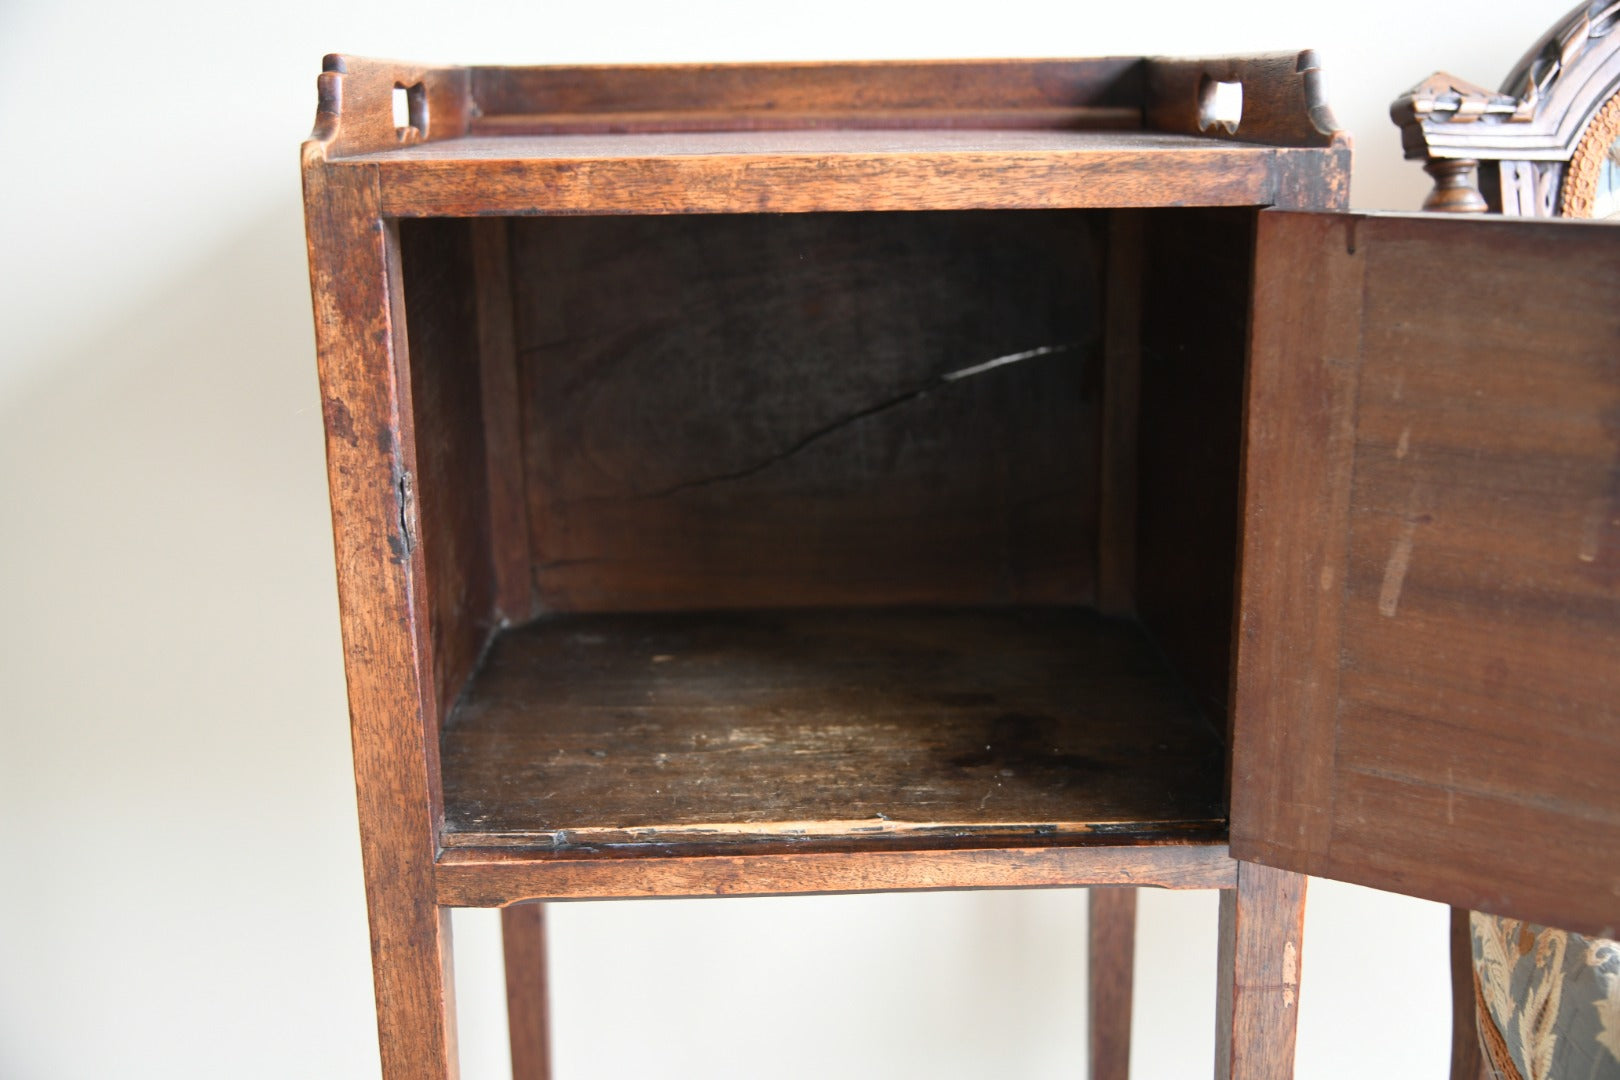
(748, 730)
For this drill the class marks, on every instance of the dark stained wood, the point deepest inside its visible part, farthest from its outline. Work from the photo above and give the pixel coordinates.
(1299, 446)
(1283, 101)
(966, 726)
(1122, 354)
(1257, 1007)
(1471, 732)
(1194, 327)
(487, 877)
(449, 483)
(501, 394)
(1111, 955)
(640, 122)
(360, 343)
(808, 410)
(803, 171)
(528, 1013)
(1467, 1062)
(725, 97)
(1541, 138)
(1456, 187)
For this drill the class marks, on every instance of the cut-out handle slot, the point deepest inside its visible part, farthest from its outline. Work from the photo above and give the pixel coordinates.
(410, 111)
(1220, 105)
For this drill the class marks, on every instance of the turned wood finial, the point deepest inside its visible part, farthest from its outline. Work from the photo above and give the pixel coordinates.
(1456, 186)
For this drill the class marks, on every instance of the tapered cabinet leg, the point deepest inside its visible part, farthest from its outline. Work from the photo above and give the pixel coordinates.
(1262, 924)
(1467, 1062)
(416, 1009)
(523, 937)
(1112, 956)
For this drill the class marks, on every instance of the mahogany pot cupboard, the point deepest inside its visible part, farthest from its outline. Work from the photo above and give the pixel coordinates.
(803, 478)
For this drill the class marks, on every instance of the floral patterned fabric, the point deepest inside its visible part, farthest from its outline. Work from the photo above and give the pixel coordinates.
(1548, 1001)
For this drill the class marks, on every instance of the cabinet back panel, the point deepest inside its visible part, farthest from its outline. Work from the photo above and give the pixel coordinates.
(804, 410)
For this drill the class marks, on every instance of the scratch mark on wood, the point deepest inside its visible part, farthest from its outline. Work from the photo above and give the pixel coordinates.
(1400, 557)
(1592, 529)
(1290, 973)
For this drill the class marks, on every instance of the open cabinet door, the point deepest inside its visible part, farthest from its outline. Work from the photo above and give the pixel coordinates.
(1427, 692)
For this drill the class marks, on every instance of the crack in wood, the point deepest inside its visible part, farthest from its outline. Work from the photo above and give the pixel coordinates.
(805, 441)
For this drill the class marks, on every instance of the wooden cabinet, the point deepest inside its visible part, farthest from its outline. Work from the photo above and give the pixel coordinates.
(797, 478)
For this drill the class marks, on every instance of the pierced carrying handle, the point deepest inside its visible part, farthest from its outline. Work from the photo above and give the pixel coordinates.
(370, 105)
(1275, 99)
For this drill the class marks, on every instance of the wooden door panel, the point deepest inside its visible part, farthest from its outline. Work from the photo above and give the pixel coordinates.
(1428, 674)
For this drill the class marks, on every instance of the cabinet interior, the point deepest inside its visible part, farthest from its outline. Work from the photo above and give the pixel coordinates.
(905, 528)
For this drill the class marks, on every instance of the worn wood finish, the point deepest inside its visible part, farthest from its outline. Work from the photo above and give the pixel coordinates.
(968, 726)
(360, 345)
(489, 877)
(1472, 577)
(733, 97)
(1111, 955)
(501, 394)
(356, 108)
(528, 1012)
(814, 410)
(1467, 1063)
(1299, 422)
(1283, 100)
(1257, 1004)
(1195, 303)
(449, 484)
(805, 171)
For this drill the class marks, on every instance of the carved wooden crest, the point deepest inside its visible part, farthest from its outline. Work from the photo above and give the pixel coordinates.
(1540, 111)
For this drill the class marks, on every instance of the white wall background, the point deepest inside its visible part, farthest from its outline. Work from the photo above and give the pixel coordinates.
(179, 878)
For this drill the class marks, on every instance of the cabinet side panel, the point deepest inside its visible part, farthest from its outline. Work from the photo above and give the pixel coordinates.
(1195, 322)
(810, 410)
(451, 485)
(361, 345)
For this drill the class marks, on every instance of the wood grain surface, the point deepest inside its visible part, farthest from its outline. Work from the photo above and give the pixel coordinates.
(528, 997)
(788, 95)
(361, 349)
(1111, 956)
(804, 171)
(1467, 1057)
(1262, 929)
(488, 877)
(502, 419)
(1472, 574)
(1300, 440)
(855, 409)
(748, 727)
(449, 485)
